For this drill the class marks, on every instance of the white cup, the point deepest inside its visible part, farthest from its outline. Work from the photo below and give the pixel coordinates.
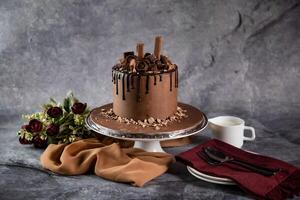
(230, 129)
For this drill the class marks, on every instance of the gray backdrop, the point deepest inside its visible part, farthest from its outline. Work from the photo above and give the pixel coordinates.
(235, 57)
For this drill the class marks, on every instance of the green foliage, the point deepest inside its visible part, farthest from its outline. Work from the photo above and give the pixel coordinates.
(71, 126)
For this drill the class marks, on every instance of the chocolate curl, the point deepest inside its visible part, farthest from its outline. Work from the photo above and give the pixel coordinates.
(129, 53)
(157, 46)
(132, 65)
(140, 50)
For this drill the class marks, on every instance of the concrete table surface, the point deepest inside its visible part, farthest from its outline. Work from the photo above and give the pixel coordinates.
(22, 177)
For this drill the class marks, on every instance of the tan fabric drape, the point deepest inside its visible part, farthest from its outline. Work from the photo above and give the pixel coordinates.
(106, 159)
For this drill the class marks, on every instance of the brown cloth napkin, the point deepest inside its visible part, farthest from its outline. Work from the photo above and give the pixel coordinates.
(112, 162)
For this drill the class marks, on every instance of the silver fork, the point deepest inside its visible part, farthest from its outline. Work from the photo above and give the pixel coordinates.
(207, 159)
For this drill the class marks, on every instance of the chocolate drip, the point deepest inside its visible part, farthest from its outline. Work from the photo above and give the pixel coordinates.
(132, 82)
(123, 86)
(114, 77)
(128, 82)
(176, 78)
(171, 81)
(117, 84)
(147, 84)
(138, 85)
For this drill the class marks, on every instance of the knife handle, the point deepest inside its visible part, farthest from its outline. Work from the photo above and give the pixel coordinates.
(260, 170)
(274, 170)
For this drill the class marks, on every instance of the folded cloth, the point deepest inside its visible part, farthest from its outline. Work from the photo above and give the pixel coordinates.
(129, 165)
(284, 184)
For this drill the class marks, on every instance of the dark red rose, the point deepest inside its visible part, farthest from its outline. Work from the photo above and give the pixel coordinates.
(35, 125)
(39, 143)
(52, 129)
(55, 112)
(24, 141)
(26, 127)
(78, 108)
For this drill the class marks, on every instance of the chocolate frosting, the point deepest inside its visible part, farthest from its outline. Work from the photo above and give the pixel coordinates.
(141, 95)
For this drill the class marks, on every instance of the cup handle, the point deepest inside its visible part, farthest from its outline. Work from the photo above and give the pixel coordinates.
(252, 133)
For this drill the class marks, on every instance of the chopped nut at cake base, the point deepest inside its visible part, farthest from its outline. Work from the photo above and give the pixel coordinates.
(173, 118)
(150, 122)
(164, 123)
(119, 119)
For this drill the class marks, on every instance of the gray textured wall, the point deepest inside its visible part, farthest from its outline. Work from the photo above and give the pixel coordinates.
(236, 56)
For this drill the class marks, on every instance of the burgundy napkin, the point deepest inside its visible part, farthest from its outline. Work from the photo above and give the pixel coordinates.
(282, 185)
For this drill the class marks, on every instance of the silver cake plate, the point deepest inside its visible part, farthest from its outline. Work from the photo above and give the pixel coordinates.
(148, 142)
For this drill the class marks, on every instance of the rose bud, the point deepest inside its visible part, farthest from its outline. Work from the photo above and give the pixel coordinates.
(39, 143)
(24, 141)
(52, 129)
(35, 125)
(26, 127)
(54, 112)
(78, 108)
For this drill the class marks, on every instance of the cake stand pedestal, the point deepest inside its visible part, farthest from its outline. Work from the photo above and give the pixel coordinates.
(148, 138)
(152, 146)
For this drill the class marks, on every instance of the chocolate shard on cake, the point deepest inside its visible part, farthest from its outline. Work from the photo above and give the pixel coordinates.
(145, 85)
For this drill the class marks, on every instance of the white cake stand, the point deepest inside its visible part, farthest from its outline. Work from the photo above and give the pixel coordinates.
(148, 142)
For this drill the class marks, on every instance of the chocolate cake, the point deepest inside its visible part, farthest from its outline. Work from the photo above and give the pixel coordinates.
(145, 85)
(145, 99)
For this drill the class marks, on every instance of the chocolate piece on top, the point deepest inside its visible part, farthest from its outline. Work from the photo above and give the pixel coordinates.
(142, 67)
(132, 65)
(159, 65)
(140, 50)
(129, 58)
(147, 62)
(129, 53)
(147, 54)
(158, 46)
(164, 59)
(151, 58)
